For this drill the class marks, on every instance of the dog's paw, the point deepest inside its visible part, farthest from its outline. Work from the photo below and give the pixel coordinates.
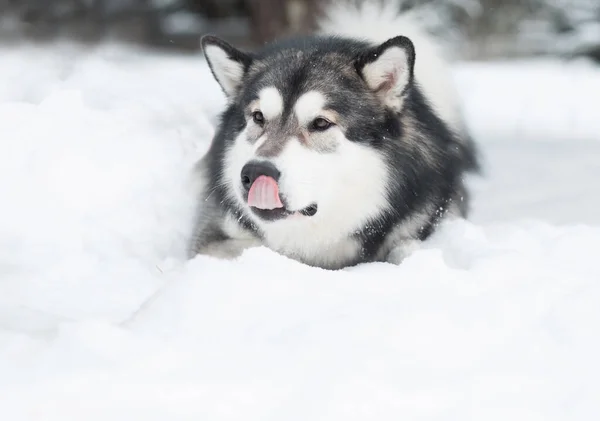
(229, 249)
(402, 251)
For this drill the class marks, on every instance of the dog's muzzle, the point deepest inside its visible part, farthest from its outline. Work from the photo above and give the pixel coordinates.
(261, 189)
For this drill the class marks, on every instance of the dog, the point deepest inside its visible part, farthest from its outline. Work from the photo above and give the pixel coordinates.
(338, 148)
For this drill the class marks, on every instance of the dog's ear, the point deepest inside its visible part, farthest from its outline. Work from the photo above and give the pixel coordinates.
(227, 64)
(388, 69)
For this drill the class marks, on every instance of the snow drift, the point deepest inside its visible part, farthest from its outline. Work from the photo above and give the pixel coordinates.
(101, 316)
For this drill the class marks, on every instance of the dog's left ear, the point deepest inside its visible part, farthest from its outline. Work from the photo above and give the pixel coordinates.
(227, 64)
(388, 69)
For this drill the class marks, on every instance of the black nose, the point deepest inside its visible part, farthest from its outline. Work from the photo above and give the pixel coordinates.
(254, 169)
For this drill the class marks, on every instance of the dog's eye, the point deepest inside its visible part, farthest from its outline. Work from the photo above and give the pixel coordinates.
(258, 118)
(320, 124)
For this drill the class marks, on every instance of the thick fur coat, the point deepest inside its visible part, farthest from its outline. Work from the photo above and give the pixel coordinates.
(335, 149)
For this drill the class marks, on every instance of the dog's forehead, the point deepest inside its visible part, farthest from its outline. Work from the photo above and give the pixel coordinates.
(286, 77)
(304, 107)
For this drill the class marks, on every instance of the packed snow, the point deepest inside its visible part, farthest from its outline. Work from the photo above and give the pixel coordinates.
(103, 318)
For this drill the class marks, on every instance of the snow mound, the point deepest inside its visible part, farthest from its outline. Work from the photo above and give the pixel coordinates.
(543, 101)
(101, 316)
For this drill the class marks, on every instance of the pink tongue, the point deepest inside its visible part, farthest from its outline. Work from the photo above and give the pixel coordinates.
(264, 194)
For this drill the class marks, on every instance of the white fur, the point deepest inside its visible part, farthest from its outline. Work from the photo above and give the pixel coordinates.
(270, 102)
(232, 228)
(230, 249)
(261, 140)
(308, 177)
(400, 243)
(380, 22)
(312, 177)
(392, 64)
(228, 72)
(403, 250)
(309, 106)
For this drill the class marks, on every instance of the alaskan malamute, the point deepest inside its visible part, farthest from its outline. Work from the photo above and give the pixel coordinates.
(334, 149)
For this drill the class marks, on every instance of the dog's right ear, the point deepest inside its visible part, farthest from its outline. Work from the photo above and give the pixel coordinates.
(388, 69)
(227, 64)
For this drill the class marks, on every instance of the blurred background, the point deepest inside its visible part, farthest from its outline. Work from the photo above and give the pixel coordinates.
(482, 29)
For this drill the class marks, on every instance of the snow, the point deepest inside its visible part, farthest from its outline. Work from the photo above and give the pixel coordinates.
(101, 316)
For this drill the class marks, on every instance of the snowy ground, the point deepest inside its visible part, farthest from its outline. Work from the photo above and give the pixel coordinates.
(102, 319)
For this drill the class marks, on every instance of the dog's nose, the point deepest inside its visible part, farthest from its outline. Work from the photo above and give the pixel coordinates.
(254, 169)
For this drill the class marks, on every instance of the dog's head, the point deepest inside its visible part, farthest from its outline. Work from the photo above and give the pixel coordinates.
(310, 120)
